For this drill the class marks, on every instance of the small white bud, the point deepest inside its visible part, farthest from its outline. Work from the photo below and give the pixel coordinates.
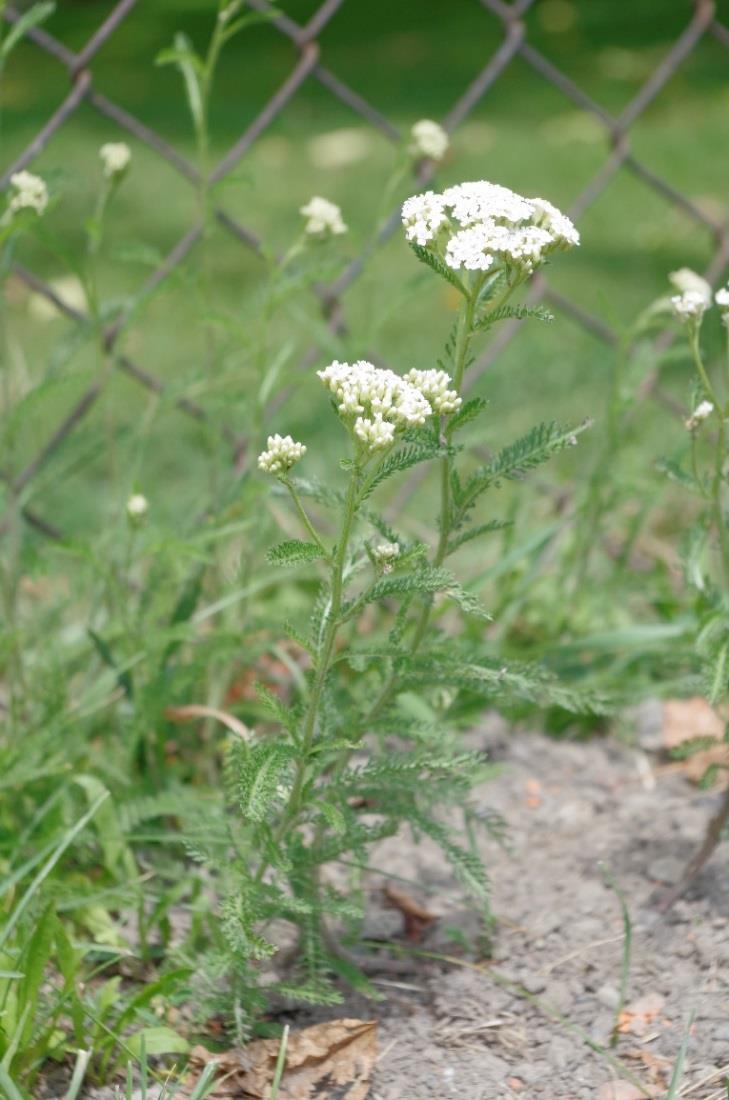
(323, 217)
(281, 454)
(29, 193)
(429, 139)
(685, 280)
(115, 157)
(385, 553)
(690, 306)
(700, 413)
(137, 508)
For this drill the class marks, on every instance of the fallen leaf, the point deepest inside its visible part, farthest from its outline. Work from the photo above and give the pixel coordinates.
(685, 720)
(620, 1090)
(338, 1053)
(415, 917)
(533, 793)
(637, 1017)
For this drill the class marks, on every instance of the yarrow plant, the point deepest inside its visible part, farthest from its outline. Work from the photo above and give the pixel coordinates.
(346, 764)
(707, 558)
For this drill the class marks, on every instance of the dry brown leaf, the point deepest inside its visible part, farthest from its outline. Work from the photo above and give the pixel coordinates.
(637, 1017)
(533, 796)
(415, 917)
(338, 1053)
(197, 710)
(686, 719)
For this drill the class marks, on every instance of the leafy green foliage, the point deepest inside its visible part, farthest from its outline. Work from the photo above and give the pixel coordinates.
(293, 552)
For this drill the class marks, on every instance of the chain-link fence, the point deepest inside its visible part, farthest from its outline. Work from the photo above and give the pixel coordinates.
(310, 65)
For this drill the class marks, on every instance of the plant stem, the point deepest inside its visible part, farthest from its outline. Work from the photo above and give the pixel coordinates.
(323, 666)
(464, 335)
(304, 517)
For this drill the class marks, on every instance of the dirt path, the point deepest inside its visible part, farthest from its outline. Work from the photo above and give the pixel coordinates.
(456, 1033)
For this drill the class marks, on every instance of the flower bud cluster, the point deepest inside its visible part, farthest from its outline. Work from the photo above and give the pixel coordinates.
(479, 226)
(689, 306)
(323, 218)
(377, 402)
(29, 193)
(281, 454)
(433, 384)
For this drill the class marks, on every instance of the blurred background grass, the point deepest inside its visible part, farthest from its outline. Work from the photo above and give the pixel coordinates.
(412, 59)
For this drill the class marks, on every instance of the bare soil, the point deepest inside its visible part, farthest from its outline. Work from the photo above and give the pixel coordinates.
(453, 1029)
(520, 1023)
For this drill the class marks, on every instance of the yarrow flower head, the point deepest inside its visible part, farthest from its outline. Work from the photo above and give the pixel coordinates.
(429, 139)
(137, 508)
(378, 403)
(29, 193)
(281, 454)
(685, 280)
(433, 384)
(323, 217)
(700, 413)
(115, 157)
(384, 554)
(478, 226)
(690, 306)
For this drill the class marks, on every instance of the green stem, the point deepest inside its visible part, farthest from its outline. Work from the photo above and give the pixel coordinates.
(463, 340)
(304, 517)
(323, 666)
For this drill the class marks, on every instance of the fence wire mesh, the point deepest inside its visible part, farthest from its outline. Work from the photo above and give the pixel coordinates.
(701, 21)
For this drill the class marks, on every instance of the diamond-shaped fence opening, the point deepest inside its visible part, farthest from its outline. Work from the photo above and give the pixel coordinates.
(310, 65)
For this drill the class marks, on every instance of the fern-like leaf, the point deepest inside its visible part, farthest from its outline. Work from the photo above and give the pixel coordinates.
(435, 264)
(293, 552)
(513, 313)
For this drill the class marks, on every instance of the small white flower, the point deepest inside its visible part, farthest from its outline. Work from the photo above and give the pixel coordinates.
(137, 508)
(29, 193)
(422, 216)
(433, 384)
(115, 157)
(429, 139)
(281, 454)
(469, 249)
(722, 297)
(689, 306)
(322, 217)
(685, 280)
(700, 413)
(385, 553)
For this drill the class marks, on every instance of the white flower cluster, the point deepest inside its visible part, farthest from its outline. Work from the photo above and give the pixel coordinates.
(322, 217)
(429, 139)
(433, 384)
(137, 508)
(690, 306)
(722, 300)
(385, 553)
(685, 280)
(379, 401)
(115, 157)
(29, 193)
(700, 413)
(281, 455)
(485, 224)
